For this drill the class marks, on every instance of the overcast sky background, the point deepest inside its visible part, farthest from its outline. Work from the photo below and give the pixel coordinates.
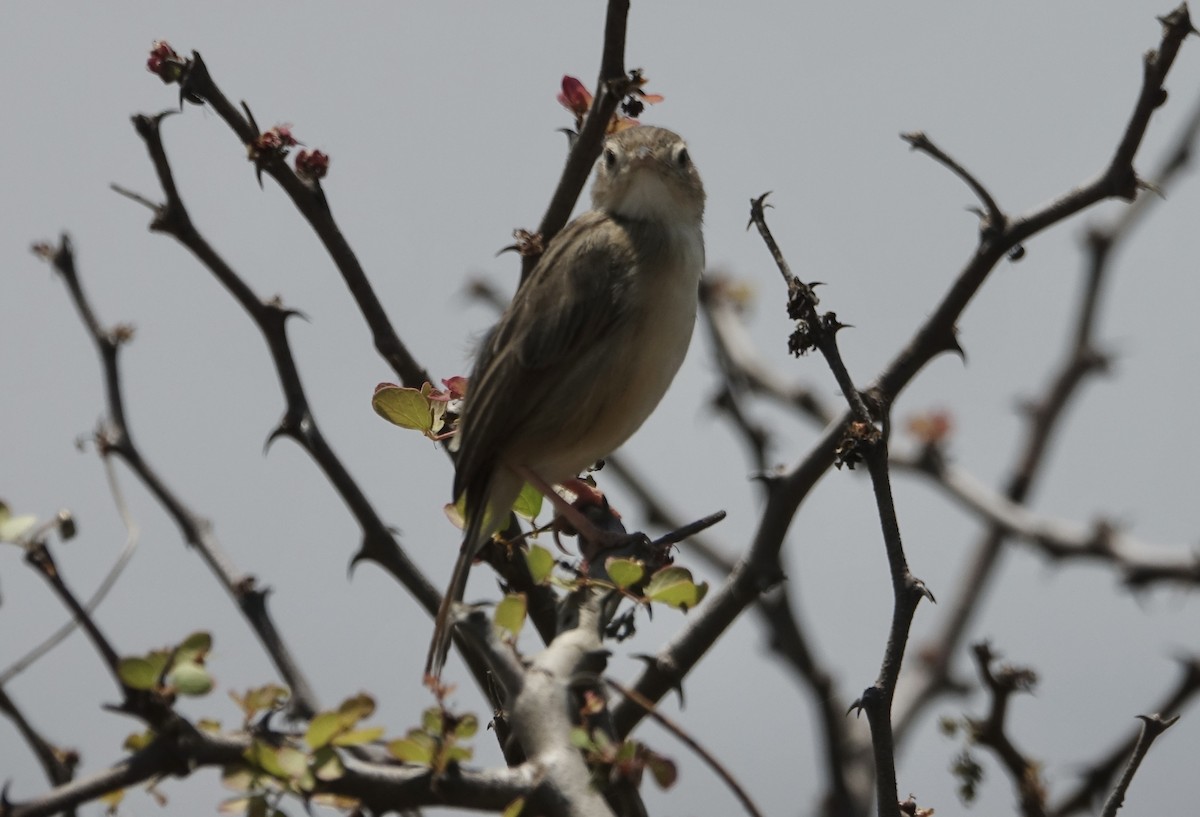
(441, 122)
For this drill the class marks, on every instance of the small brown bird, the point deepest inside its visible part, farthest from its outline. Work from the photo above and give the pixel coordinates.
(588, 346)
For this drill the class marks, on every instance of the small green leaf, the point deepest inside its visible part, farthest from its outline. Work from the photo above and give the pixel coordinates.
(625, 572)
(293, 762)
(510, 614)
(194, 648)
(581, 739)
(208, 725)
(541, 563)
(265, 756)
(458, 754)
(407, 408)
(529, 502)
(322, 728)
(112, 799)
(356, 708)
(416, 748)
(664, 770)
(326, 765)
(190, 678)
(514, 808)
(357, 737)
(674, 587)
(432, 721)
(138, 673)
(138, 740)
(466, 727)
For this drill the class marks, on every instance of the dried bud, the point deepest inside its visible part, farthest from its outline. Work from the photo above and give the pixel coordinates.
(165, 62)
(858, 438)
(312, 165)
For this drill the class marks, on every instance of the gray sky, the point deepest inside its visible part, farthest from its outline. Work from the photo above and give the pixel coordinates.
(440, 119)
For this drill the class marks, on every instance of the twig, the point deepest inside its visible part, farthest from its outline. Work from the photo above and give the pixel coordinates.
(610, 89)
(1081, 361)
(110, 578)
(1152, 727)
(990, 732)
(115, 437)
(679, 732)
(58, 765)
(993, 218)
(862, 440)
(1099, 775)
(310, 201)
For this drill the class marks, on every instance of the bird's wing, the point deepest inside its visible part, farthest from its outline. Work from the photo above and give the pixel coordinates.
(547, 331)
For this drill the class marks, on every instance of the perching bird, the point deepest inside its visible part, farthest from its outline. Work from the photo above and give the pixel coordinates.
(588, 346)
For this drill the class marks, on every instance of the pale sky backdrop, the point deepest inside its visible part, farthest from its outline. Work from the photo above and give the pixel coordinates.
(440, 119)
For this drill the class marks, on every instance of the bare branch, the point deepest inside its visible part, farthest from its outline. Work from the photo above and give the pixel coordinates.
(1152, 727)
(115, 437)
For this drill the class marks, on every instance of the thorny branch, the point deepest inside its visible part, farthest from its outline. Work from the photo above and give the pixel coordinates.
(115, 438)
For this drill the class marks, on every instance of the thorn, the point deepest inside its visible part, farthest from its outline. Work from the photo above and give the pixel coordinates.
(278, 432)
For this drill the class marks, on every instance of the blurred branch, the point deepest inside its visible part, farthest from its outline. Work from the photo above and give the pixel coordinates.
(378, 787)
(1080, 361)
(1057, 539)
(110, 578)
(1099, 775)
(684, 737)
(1001, 684)
(1152, 727)
(58, 765)
(115, 437)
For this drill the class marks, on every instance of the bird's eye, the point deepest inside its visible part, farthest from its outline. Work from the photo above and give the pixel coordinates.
(610, 158)
(683, 157)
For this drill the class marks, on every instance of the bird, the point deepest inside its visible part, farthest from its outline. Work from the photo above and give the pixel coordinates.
(586, 349)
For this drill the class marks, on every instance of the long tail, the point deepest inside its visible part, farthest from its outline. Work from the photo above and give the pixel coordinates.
(439, 648)
(475, 536)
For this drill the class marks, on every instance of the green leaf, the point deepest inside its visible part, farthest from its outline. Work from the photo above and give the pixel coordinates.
(139, 673)
(356, 708)
(357, 737)
(190, 678)
(322, 728)
(432, 721)
(529, 502)
(625, 572)
(326, 765)
(541, 563)
(416, 748)
(407, 408)
(514, 808)
(12, 528)
(265, 756)
(138, 740)
(674, 587)
(466, 727)
(582, 739)
(194, 648)
(293, 762)
(510, 614)
(664, 770)
(459, 754)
